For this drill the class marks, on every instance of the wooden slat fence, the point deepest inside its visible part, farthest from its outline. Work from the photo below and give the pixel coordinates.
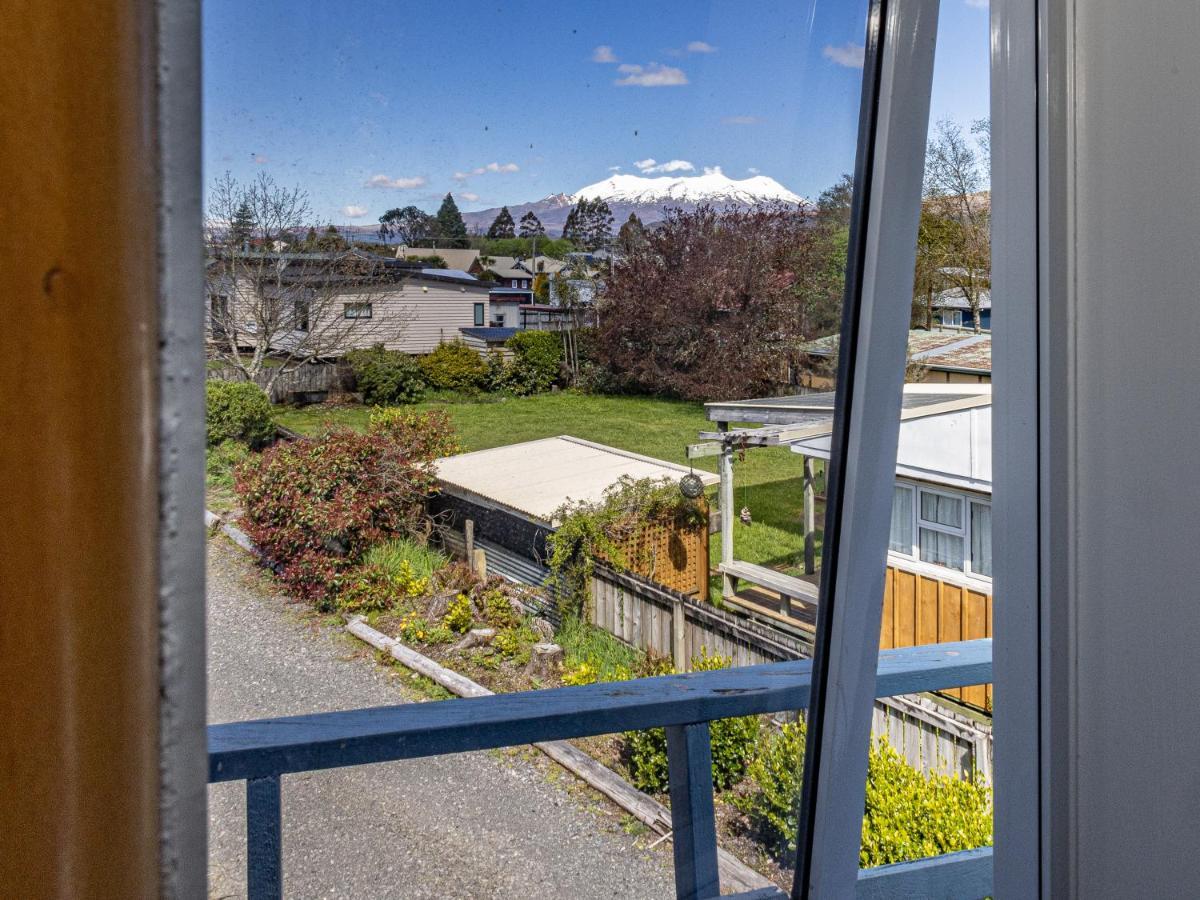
(920, 609)
(928, 735)
(311, 378)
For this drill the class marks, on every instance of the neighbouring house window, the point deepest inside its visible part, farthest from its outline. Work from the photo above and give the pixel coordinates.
(902, 520)
(516, 282)
(498, 322)
(479, 314)
(302, 315)
(943, 529)
(952, 317)
(357, 310)
(981, 539)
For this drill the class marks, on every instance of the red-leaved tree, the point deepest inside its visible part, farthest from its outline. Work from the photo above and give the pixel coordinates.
(712, 305)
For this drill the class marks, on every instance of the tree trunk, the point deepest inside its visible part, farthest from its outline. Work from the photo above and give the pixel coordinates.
(476, 637)
(544, 660)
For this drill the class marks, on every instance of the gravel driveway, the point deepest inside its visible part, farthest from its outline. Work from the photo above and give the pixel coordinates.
(476, 825)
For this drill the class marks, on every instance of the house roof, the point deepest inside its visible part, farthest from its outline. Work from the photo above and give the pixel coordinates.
(942, 445)
(491, 335)
(535, 478)
(951, 351)
(954, 299)
(455, 257)
(450, 273)
(508, 267)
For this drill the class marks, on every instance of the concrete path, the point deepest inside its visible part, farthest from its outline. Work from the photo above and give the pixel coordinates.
(476, 825)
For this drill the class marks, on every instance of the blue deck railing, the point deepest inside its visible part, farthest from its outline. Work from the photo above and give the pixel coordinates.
(259, 752)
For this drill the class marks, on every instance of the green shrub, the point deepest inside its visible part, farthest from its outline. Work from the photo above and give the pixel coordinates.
(516, 644)
(496, 377)
(386, 377)
(373, 587)
(238, 411)
(732, 741)
(221, 460)
(497, 611)
(427, 435)
(314, 506)
(908, 815)
(455, 367)
(460, 616)
(536, 362)
(416, 629)
(393, 556)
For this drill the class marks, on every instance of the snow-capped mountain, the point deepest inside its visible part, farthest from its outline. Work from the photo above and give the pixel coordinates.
(649, 198)
(714, 187)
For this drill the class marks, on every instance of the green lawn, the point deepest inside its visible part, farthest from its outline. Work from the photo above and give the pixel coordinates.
(767, 480)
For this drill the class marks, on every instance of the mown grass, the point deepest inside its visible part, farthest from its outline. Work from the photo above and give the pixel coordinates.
(767, 480)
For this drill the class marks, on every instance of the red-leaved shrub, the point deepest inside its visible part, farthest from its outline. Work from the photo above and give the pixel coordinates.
(314, 506)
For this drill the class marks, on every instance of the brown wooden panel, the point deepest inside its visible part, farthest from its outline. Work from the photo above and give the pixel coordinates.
(887, 633)
(78, 572)
(906, 609)
(927, 610)
(950, 614)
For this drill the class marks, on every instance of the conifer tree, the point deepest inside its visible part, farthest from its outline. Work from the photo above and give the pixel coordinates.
(531, 226)
(241, 226)
(452, 230)
(502, 226)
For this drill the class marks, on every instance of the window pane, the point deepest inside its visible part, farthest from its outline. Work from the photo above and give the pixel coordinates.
(941, 549)
(981, 539)
(901, 540)
(941, 510)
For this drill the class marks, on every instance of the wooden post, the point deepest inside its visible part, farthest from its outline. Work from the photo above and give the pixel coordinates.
(810, 518)
(694, 838)
(479, 562)
(725, 502)
(679, 635)
(469, 532)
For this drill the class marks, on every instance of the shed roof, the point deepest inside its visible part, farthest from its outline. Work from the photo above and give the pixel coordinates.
(535, 478)
(488, 333)
(934, 349)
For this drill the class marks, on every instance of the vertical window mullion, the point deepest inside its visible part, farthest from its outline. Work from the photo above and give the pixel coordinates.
(897, 76)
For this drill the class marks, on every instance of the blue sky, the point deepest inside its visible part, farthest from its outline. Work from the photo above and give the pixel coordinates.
(373, 105)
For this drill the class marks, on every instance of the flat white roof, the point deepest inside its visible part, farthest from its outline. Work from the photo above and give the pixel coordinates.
(535, 478)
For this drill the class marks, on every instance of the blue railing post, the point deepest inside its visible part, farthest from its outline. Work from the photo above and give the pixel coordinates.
(264, 839)
(689, 762)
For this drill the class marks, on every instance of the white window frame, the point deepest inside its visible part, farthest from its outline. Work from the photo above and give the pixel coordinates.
(952, 318)
(358, 310)
(913, 556)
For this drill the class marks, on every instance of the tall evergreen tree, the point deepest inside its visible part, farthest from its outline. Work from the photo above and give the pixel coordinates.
(502, 226)
(531, 226)
(599, 224)
(241, 226)
(573, 227)
(451, 229)
(632, 235)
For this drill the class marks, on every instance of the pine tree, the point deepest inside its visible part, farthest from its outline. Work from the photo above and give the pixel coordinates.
(599, 225)
(573, 228)
(452, 230)
(531, 226)
(632, 235)
(502, 226)
(241, 227)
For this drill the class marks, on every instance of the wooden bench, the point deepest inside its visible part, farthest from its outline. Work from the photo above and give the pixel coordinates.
(786, 586)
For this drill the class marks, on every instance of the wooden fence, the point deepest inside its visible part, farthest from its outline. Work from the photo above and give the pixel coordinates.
(308, 379)
(922, 609)
(930, 736)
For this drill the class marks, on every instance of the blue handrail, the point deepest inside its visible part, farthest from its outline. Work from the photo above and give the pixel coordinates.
(262, 750)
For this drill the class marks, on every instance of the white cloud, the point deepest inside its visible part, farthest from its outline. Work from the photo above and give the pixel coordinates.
(713, 170)
(977, 4)
(653, 167)
(604, 54)
(469, 195)
(753, 171)
(848, 55)
(741, 120)
(490, 167)
(700, 47)
(350, 211)
(614, 168)
(650, 75)
(260, 159)
(400, 184)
